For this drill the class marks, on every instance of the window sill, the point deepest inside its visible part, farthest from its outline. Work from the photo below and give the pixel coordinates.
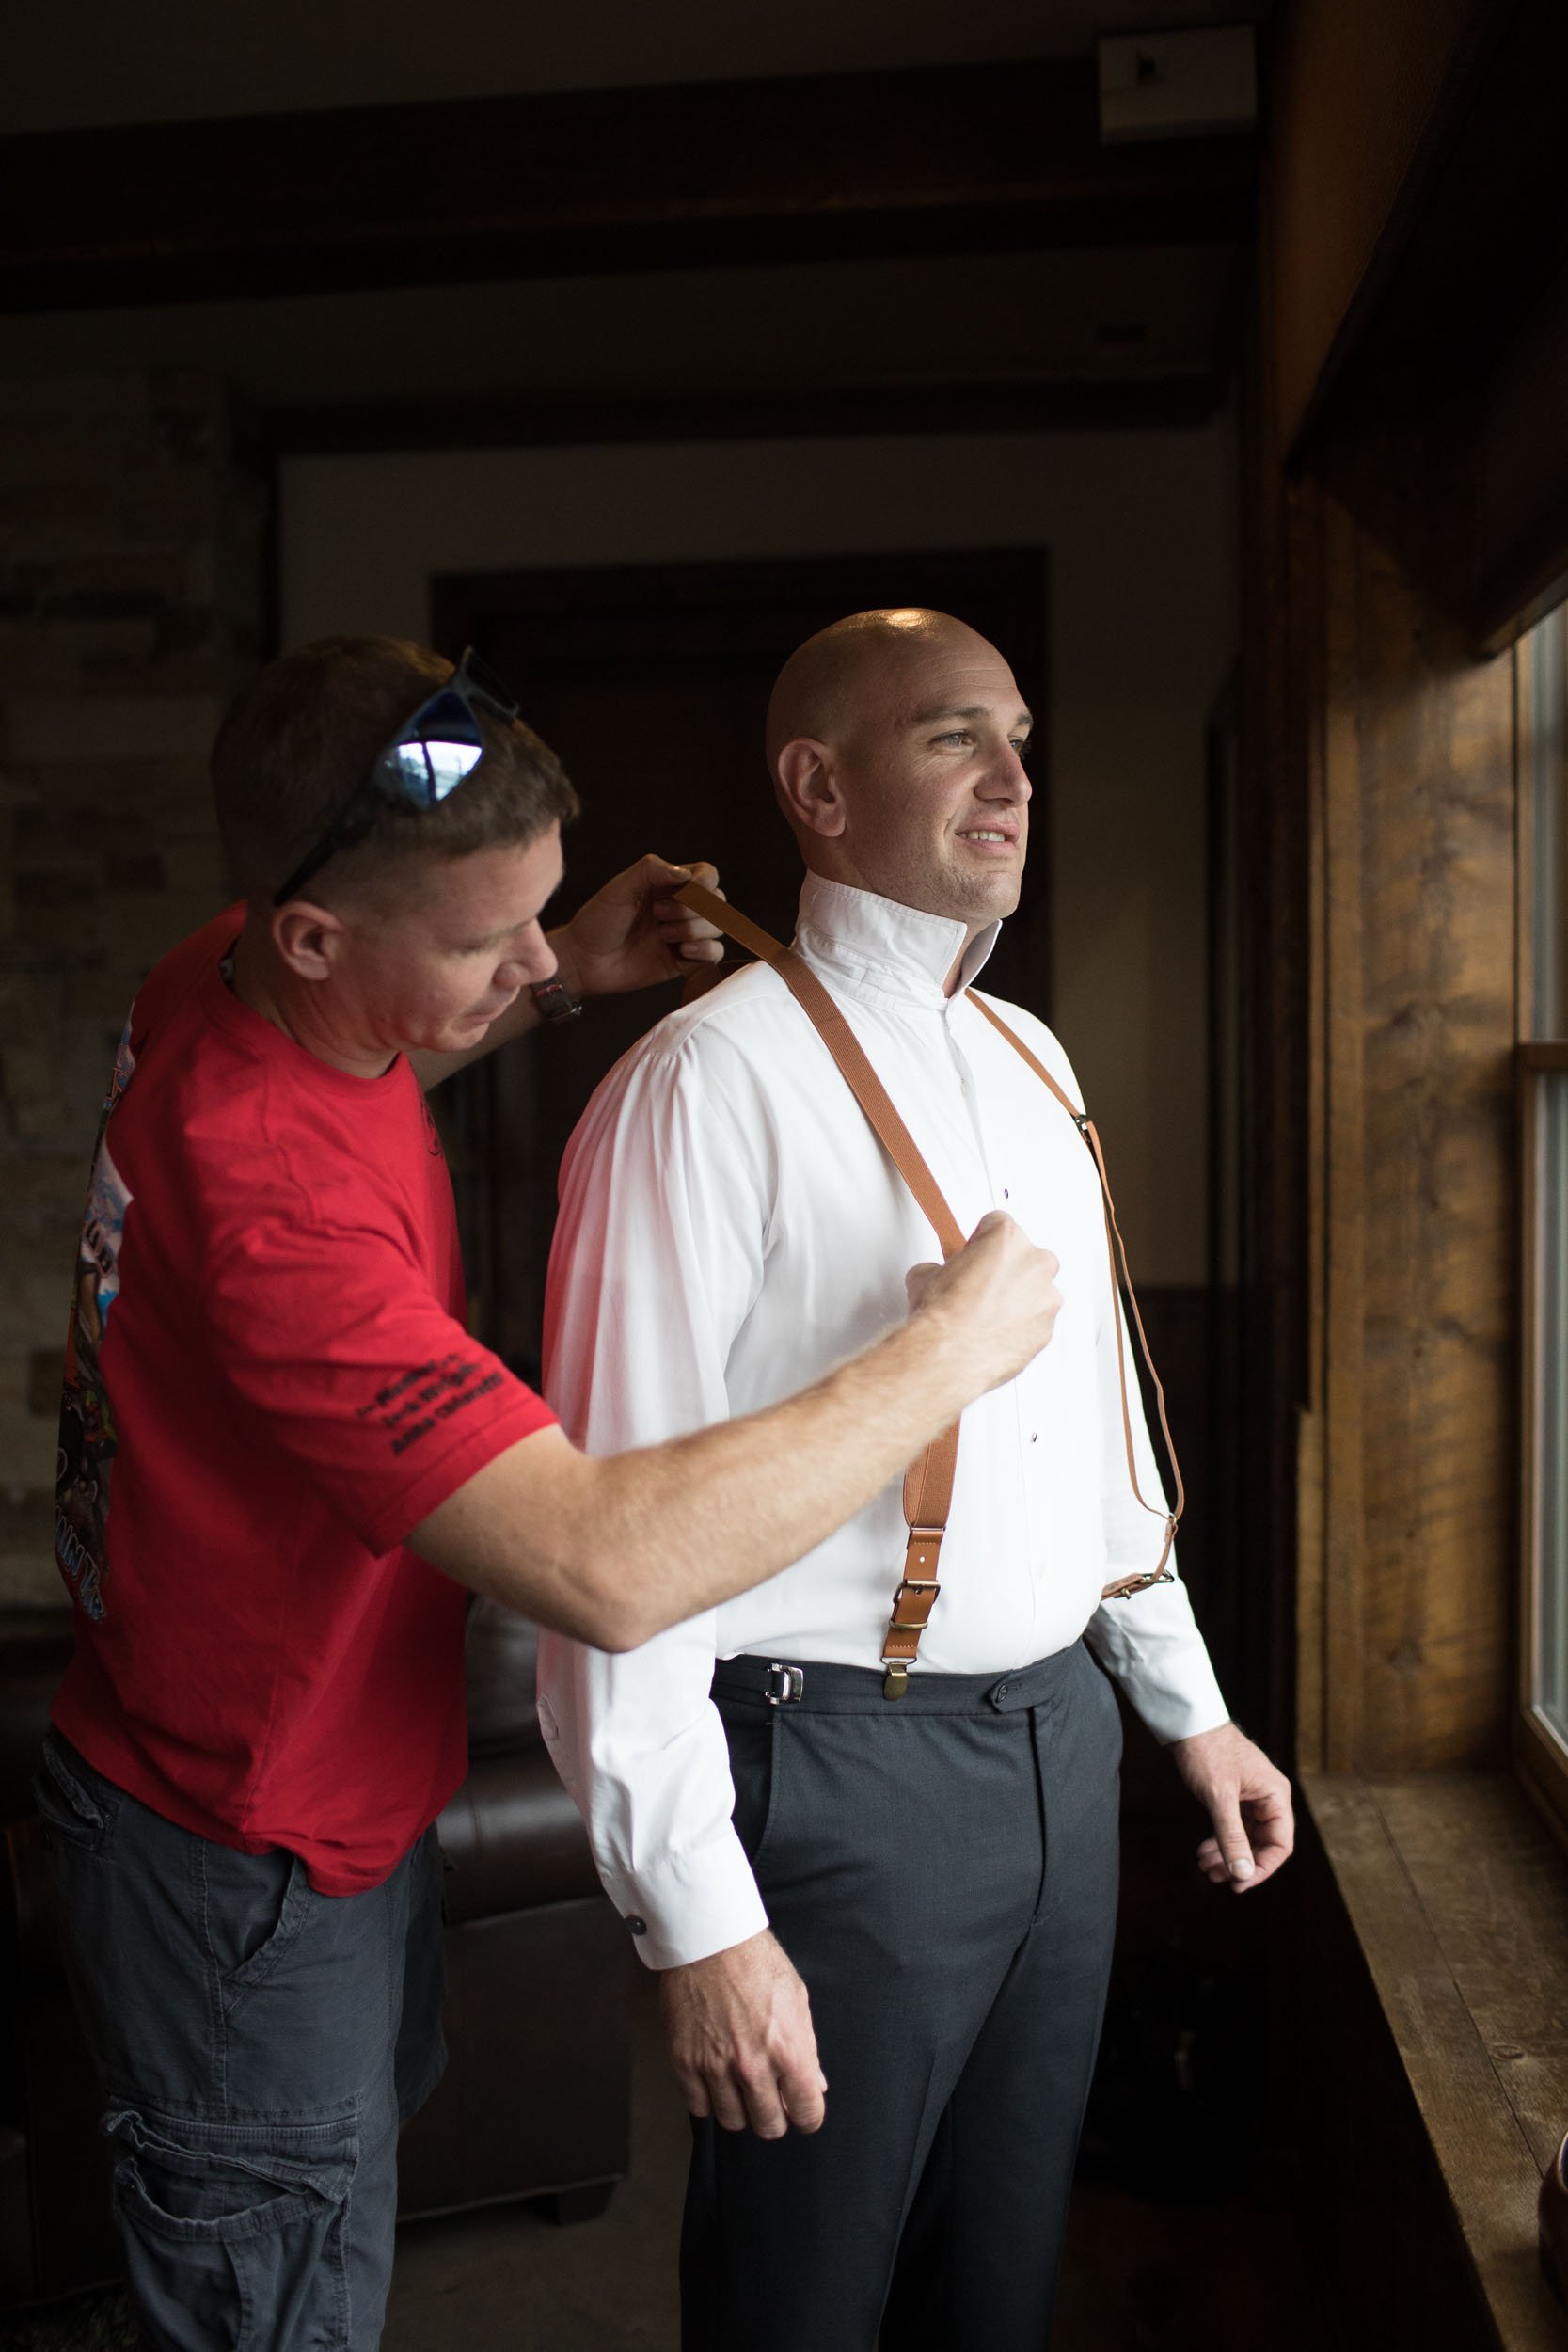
(1458, 1897)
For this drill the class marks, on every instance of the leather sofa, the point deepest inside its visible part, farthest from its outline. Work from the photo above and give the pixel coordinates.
(536, 2098)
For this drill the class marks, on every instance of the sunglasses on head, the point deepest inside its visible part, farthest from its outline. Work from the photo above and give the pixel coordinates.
(427, 759)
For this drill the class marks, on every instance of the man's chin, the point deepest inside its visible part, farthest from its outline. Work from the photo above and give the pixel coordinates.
(491, 1013)
(462, 1035)
(990, 900)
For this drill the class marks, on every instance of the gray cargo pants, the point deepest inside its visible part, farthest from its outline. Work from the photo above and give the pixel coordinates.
(257, 2044)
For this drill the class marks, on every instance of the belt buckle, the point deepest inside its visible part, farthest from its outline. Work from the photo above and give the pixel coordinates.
(783, 1686)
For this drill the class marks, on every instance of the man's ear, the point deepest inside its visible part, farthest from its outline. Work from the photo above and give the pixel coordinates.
(809, 788)
(308, 938)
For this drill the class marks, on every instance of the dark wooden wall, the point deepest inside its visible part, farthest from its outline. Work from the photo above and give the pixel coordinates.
(1402, 456)
(1406, 1607)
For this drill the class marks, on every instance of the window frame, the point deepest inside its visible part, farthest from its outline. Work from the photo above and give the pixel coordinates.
(1540, 1752)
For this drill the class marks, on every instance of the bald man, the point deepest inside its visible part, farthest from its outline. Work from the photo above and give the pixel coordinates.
(882, 1920)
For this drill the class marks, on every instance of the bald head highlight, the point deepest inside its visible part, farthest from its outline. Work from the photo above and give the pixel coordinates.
(845, 675)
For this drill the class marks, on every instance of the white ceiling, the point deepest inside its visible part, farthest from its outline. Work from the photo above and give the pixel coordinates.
(172, 60)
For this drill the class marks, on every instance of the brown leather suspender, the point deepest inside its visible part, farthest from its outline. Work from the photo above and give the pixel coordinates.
(929, 1482)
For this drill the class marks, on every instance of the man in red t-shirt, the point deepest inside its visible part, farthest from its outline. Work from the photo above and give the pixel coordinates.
(283, 1458)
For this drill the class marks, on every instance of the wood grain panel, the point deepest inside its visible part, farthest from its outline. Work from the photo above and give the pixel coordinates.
(1416, 983)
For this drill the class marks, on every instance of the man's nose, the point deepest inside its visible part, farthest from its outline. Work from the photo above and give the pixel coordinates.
(1006, 778)
(534, 962)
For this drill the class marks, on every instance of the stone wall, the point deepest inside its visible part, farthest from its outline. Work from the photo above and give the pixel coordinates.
(132, 596)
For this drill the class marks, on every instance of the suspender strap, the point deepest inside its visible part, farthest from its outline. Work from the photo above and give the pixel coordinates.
(929, 1482)
(1121, 1278)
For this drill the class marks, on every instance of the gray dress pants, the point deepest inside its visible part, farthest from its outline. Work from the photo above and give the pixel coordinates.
(942, 1869)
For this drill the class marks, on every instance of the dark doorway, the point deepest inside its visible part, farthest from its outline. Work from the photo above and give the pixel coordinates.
(651, 682)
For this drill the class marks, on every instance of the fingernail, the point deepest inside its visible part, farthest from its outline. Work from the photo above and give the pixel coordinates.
(1242, 1868)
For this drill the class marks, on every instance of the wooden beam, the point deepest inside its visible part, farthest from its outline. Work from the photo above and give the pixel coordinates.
(525, 421)
(1477, 222)
(828, 166)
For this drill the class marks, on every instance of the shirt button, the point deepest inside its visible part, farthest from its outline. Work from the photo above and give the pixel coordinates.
(1005, 1194)
(1034, 1437)
(638, 1927)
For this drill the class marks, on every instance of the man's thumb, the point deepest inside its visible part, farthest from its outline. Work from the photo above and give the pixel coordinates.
(916, 1281)
(1234, 1843)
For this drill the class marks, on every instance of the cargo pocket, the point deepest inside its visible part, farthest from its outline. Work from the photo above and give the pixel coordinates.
(71, 1813)
(234, 2235)
(254, 1908)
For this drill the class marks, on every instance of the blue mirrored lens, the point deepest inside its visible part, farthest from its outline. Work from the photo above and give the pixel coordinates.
(427, 771)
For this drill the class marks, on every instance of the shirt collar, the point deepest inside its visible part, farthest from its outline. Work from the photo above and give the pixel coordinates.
(858, 937)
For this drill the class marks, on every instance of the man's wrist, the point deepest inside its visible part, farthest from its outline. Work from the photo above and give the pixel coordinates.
(947, 1346)
(567, 970)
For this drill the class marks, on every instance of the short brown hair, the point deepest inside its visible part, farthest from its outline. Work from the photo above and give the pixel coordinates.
(300, 740)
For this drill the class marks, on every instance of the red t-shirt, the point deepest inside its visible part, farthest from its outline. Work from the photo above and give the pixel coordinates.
(268, 1384)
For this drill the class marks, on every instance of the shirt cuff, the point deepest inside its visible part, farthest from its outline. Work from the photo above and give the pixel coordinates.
(689, 1906)
(1155, 1652)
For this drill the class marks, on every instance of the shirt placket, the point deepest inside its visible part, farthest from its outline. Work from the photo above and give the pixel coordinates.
(993, 1148)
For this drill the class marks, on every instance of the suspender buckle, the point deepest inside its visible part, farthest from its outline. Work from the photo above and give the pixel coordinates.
(913, 1604)
(1137, 1584)
(783, 1686)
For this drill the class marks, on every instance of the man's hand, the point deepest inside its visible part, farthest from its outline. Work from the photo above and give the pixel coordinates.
(631, 934)
(999, 1290)
(741, 2042)
(1248, 1801)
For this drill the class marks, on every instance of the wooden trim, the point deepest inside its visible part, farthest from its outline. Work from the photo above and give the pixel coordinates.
(524, 420)
(1305, 506)
(1528, 1622)
(1542, 1759)
(1476, 220)
(1525, 654)
(957, 159)
(1509, 605)
(1343, 1200)
(1540, 1751)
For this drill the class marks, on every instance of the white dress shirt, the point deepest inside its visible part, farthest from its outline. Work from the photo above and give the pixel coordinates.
(730, 1229)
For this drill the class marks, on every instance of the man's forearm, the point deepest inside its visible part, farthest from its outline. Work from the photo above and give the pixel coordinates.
(737, 1503)
(613, 1552)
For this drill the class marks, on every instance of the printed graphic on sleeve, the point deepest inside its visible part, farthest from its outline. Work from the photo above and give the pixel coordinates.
(420, 1398)
(88, 1441)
